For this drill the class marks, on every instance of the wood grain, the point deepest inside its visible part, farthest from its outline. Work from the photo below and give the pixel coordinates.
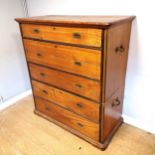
(116, 60)
(115, 70)
(80, 36)
(69, 101)
(78, 21)
(67, 81)
(24, 133)
(76, 60)
(112, 113)
(68, 118)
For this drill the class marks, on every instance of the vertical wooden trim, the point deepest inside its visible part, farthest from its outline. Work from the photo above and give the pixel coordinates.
(101, 81)
(103, 78)
(104, 55)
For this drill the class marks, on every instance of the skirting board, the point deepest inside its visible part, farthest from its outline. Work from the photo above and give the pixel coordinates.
(127, 119)
(15, 99)
(136, 123)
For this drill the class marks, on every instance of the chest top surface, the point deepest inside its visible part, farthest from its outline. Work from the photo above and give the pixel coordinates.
(90, 21)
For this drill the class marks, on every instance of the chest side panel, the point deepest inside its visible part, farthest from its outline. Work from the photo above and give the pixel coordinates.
(116, 53)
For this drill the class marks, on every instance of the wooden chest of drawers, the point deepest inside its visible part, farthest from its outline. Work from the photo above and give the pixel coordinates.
(77, 67)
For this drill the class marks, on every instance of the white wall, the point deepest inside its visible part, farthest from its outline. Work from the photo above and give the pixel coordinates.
(13, 71)
(139, 102)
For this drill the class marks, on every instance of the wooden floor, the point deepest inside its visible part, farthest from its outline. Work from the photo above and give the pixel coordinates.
(24, 133)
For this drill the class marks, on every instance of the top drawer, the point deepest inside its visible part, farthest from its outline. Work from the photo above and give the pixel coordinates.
(80, 36)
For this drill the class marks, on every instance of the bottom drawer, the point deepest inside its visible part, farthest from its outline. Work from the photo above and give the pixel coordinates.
(89, 129)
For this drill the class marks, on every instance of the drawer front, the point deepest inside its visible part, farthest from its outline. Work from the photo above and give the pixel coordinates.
(84, 87)
(80, 36)
(80, 61)
(71, 102)
(68, 118)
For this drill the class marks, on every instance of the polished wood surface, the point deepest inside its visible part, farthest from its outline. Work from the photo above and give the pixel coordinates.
(76, 60)
(68, 118)
(89, 21)
(85, 108)
(112, 113)
(80, 60)
(116, 53)
(80, 36)
(24, 133)
(67, 81)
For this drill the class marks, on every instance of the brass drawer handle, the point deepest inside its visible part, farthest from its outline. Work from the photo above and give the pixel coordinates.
(36, 31)
(47, 109)
(79, 105)
(80, 125)
(76, 35)
(78, 86)
(39, 54)
(120, 49)
(42, 74)
(116, 102)
(77, 63)
(44, 91)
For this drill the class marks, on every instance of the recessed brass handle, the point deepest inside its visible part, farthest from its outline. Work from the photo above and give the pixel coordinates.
(78, 85)
(79, 105)
(116, 102)
(76, 35)
(44, 91)
(120, 49)
(42, 74)
(80, 125)
(36, 31)
(78, 63)
(39, 54)
(47, 109)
